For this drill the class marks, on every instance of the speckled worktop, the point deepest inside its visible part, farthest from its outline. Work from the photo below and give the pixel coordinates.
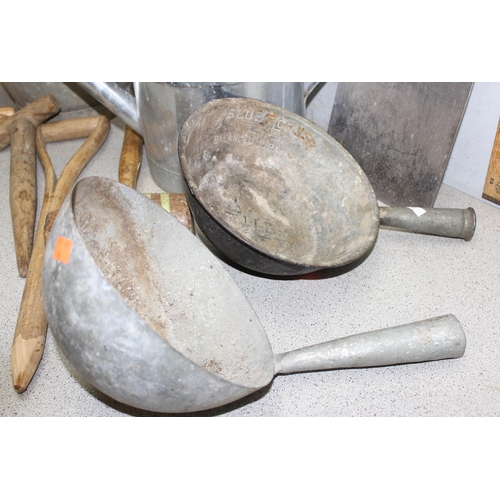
(405, 278)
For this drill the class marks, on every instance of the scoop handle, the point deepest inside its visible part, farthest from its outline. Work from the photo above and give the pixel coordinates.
(428, 340)
(450, 222)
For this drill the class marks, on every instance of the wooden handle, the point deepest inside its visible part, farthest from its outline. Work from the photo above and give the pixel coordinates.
(19, 131)
(36, 112)
(31, 328)
(130, 158)
(47, 227)
(6, 112)
(65, 130)
(23, 195)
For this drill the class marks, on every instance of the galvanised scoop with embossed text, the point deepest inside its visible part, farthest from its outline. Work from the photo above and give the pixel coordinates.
(278, 195)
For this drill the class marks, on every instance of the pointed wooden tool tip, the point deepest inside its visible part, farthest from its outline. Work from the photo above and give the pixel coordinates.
(20, 388)
(21, 380)
(24, 360)
(22, 269)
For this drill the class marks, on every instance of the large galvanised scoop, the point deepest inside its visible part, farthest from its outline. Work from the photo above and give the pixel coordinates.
(278, 195)
(148, 315)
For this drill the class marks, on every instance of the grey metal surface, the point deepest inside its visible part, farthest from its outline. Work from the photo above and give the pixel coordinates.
(117, 100)
(159, 109)
(427, 340)
(275, 193)
(451, 222)
(151, 318)
(401, 134)
(144, 311)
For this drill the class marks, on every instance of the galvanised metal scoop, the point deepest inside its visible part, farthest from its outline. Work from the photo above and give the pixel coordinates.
(149, 316)
(278, 195)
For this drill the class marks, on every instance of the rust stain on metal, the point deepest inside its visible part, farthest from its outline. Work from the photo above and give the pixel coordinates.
(307, 138)
(308, 141)
(269, 118)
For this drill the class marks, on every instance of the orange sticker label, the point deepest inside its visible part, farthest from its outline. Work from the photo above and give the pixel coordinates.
(62, 250)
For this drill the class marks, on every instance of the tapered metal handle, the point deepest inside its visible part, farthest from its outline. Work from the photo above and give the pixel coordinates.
(117, 100)
(428, 340)
(450, 222)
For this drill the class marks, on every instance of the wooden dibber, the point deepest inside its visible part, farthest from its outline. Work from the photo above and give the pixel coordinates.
(18, 130)
(31, 328)
(128, 172)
